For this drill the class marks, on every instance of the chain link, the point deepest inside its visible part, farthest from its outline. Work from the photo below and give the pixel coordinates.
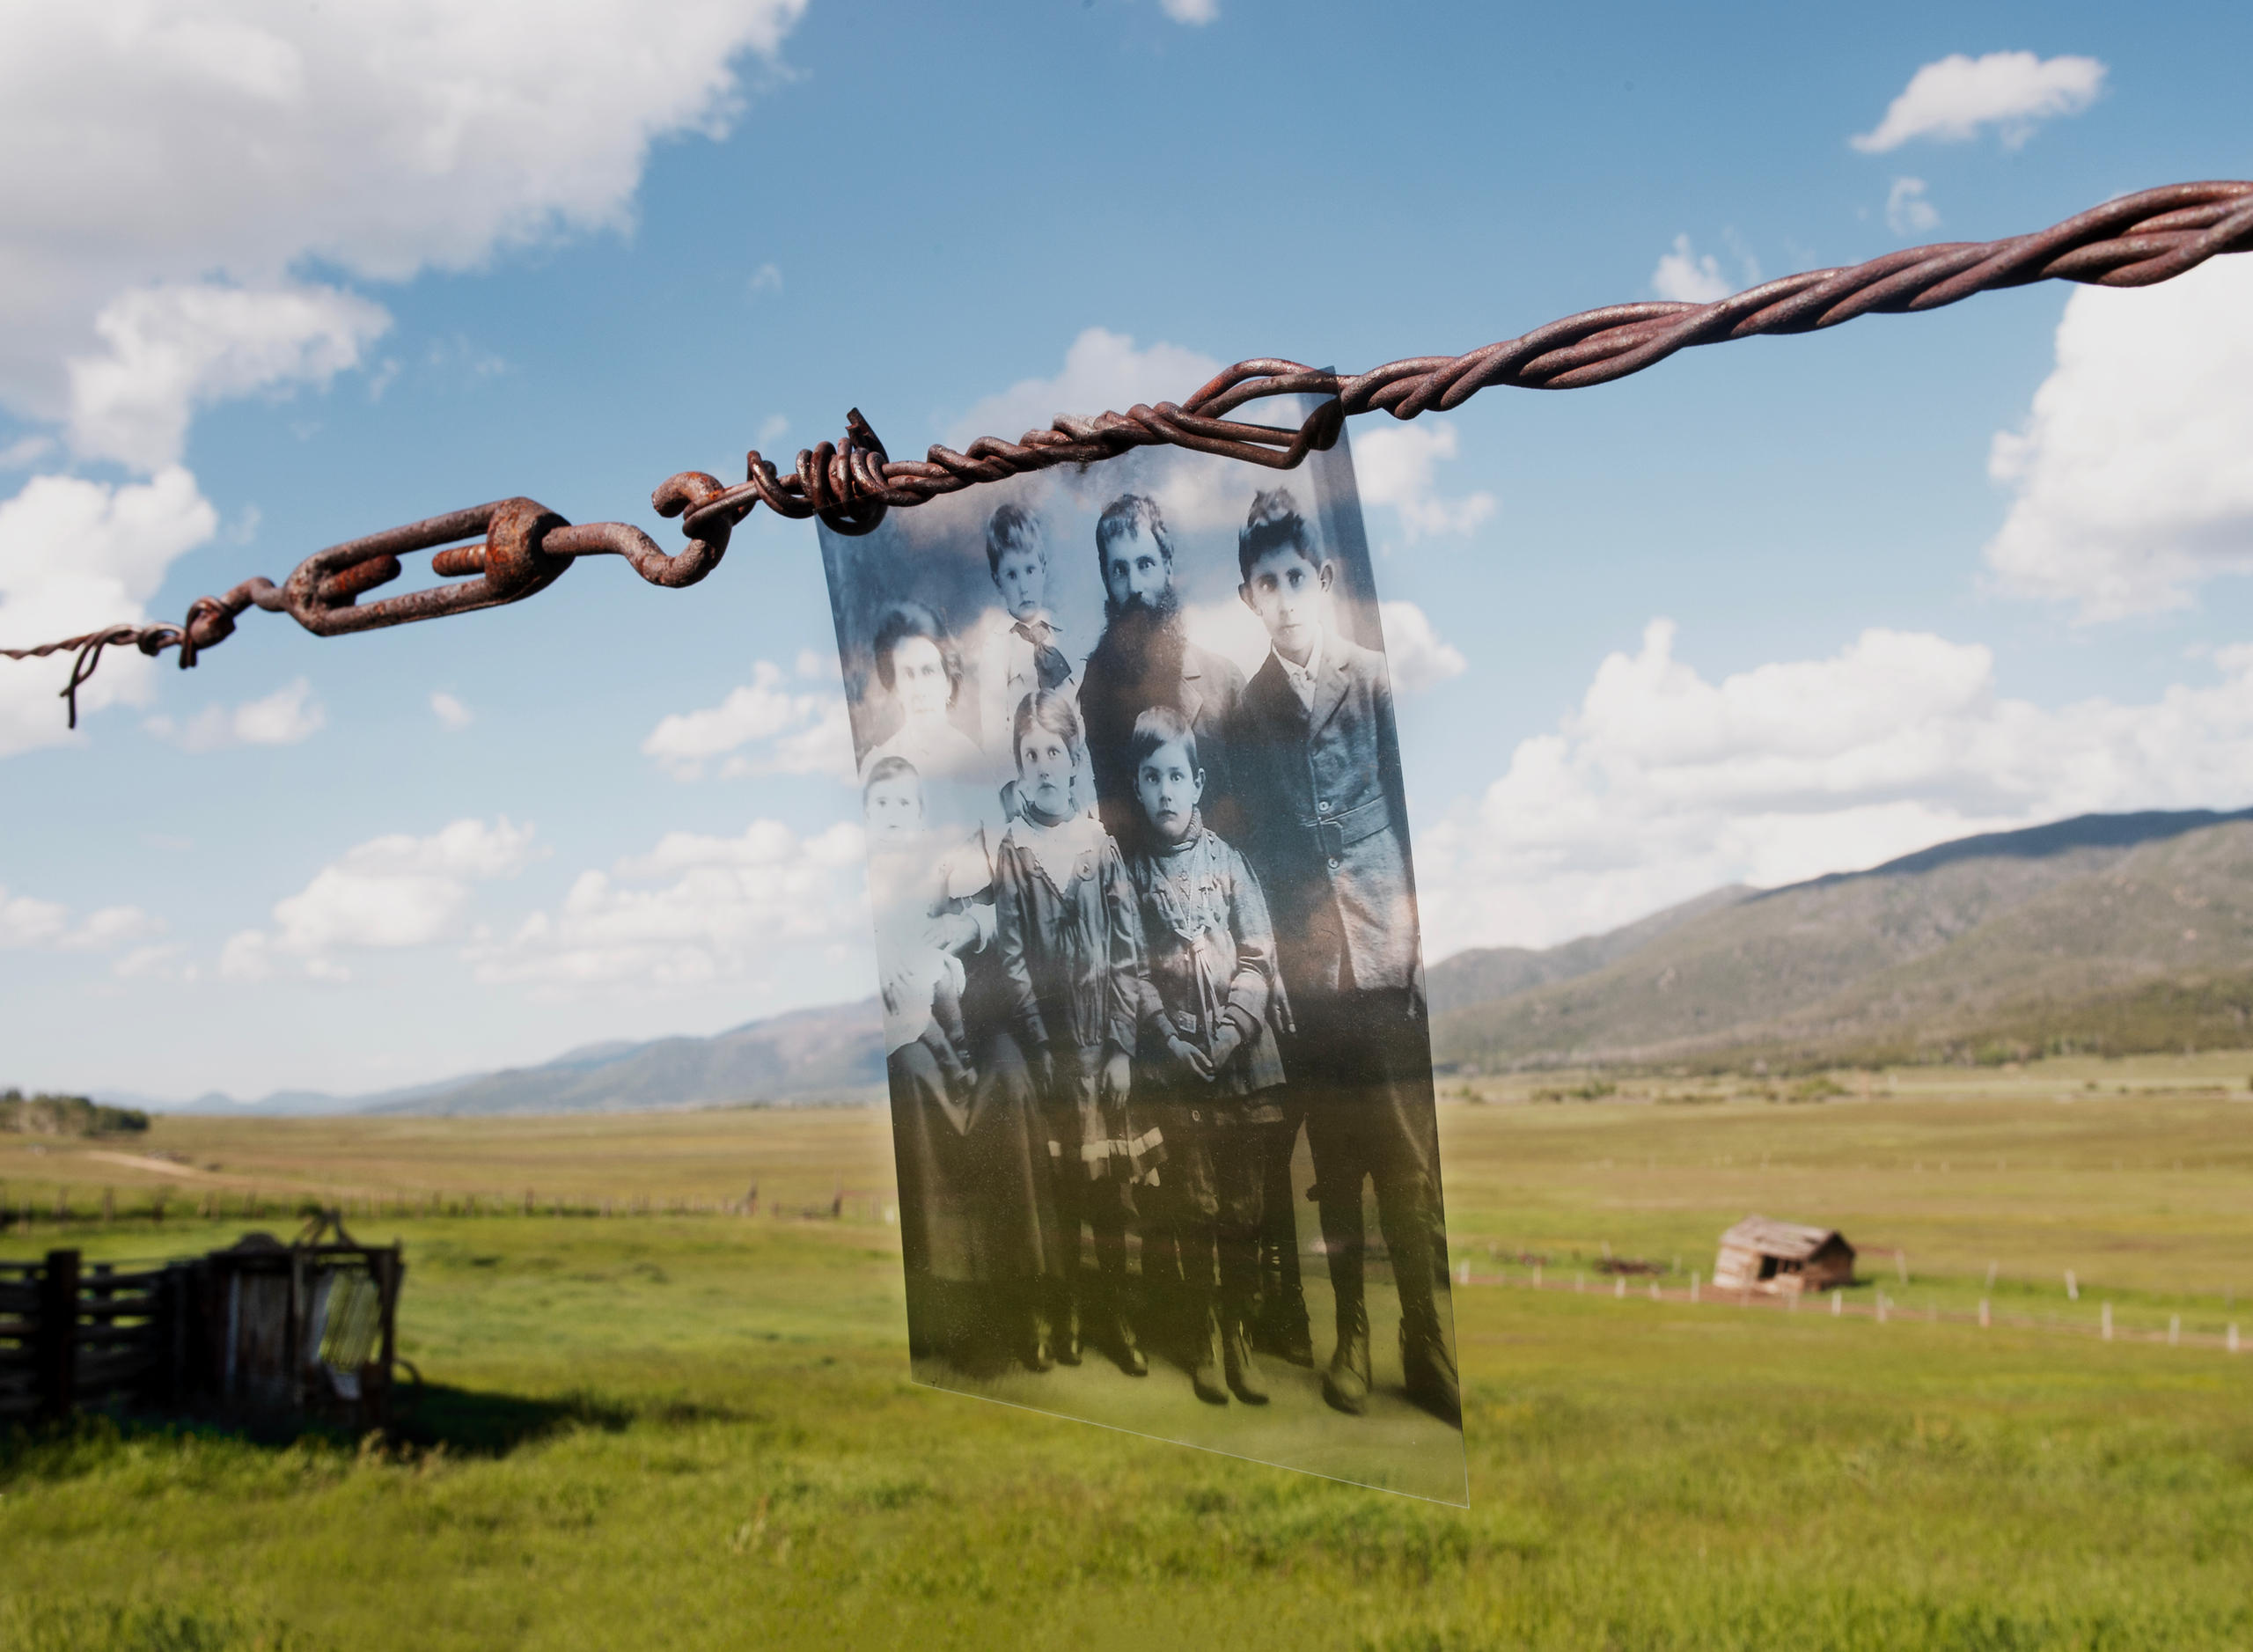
(2135, 240)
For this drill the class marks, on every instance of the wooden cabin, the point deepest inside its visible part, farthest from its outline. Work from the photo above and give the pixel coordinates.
(1782, 1258)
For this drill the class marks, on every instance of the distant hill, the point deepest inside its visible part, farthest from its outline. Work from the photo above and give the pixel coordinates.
(2105, 931)
(834, 1053)
(831, 1053)
(1484, 974)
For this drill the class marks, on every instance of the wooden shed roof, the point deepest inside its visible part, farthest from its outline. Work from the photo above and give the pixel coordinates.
(1792, 1240)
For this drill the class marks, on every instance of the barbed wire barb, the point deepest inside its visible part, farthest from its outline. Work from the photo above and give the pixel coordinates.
(2134, 240)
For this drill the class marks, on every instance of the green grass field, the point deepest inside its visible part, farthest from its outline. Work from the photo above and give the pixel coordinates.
(696, 1429)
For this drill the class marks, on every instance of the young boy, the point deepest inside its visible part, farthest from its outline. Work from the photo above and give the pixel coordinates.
(922, 982)
(1024, 655)
(1065, 914)
(1208, 1070)
(1317, 764)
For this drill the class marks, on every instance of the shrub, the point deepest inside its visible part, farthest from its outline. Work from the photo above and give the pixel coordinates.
(65, 1115)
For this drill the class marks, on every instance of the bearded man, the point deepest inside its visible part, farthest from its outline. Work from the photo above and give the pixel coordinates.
(1144, 659)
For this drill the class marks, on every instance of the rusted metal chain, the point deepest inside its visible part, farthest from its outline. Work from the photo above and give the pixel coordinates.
(2132, 241)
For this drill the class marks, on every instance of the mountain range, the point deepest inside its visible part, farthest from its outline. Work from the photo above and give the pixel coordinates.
(2103, 932)
(834, 1053)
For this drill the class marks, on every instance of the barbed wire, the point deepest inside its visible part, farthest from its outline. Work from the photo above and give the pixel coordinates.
(2135, 240)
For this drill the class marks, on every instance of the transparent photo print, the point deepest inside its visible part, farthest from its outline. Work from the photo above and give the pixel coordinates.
(1148, 952)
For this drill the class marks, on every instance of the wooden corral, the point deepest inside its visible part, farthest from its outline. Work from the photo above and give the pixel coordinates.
(262, 1331)
(1782, 1258)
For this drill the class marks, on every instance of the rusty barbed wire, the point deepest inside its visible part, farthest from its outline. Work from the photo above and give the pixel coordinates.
(2134, 240)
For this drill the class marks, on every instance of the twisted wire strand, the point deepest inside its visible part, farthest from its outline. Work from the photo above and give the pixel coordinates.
(2135, 240)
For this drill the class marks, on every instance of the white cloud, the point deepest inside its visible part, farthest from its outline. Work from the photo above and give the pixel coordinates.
(822, 746)
(26, 923)
(452, 715)
(172, 348)
(171, 169)
(1687, 277)
(154, 147)
(153, 962)
(1663, 784)
(389, 892)
(1397, 466)
(1196, 13)
(805, 732)
(1907, 211)
(108, 927)
(2132, 476)
(767, 278)
(75, 556)
(287, 715)
(1103, 372)
(1229, 629)
(694, 910)
(1949, 101)
(1416, 655)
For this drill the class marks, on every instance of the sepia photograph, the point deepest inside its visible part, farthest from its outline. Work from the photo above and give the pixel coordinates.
(1157, 1036)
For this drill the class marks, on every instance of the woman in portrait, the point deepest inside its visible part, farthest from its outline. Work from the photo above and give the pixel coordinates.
(978, 1219)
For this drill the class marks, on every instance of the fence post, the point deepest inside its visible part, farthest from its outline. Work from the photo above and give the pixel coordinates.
(58, 1334)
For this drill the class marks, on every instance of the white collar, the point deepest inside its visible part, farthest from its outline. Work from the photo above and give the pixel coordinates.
(1304, 677)
(1058, 848)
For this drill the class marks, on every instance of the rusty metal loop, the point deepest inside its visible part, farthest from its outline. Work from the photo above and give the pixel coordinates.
(2134, 240)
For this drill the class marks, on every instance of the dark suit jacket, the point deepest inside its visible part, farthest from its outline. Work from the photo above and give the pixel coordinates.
(1326, 826)
(1114, 691)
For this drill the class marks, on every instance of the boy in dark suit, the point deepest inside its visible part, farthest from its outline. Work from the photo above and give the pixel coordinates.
(1326, 828)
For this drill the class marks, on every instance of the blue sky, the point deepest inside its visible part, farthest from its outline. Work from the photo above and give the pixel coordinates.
(1773, 609)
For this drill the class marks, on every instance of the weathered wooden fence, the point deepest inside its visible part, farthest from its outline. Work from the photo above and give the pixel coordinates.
(262, 1329)
(27, 1209)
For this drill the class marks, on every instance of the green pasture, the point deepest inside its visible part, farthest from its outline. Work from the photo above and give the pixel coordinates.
(696, 1429)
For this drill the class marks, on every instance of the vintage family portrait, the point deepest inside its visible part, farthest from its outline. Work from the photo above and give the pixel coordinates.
(1146, 941)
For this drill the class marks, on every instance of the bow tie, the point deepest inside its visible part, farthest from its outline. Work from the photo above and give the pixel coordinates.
(1048, 661)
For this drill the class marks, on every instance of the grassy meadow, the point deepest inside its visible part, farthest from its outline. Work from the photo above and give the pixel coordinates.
(679, 1426)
